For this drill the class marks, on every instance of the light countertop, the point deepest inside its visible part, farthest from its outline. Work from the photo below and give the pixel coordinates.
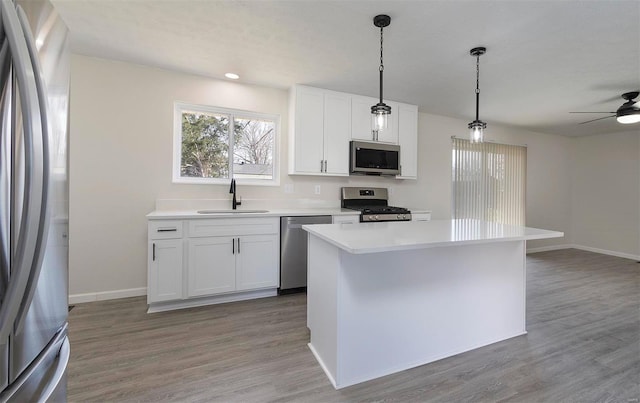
(291, 212)
(396, 236)
(190, 214)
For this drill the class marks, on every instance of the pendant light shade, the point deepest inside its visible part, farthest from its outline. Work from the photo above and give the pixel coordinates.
(476, 128)
(380, 112)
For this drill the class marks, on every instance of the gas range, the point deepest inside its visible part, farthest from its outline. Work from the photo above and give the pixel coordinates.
(373, 204)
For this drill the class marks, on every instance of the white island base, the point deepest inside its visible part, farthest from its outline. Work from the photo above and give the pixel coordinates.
(374, 314)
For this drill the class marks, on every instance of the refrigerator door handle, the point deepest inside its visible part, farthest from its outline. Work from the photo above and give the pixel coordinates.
(5, 161)
(58, 346)
(43, 227)
(30, 215)
(61, 369)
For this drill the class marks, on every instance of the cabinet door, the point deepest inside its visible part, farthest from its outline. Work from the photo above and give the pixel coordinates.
(361, 118)
(408, 140)
(164, 277)
(257, 262)
(211, 265)
(337, 132)
(308, 131)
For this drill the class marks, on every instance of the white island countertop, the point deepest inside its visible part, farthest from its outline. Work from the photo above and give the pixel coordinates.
(396, 236)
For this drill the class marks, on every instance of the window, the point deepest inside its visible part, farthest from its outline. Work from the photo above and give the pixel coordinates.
(214, 145)
(489, 181)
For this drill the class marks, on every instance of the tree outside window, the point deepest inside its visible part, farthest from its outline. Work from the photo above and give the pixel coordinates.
(208, 153)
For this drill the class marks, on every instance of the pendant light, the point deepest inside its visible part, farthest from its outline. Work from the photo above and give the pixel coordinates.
(476, 128)
(380, 112)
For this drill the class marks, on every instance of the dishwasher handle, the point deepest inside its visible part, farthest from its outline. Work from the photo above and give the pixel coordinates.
(298, 221)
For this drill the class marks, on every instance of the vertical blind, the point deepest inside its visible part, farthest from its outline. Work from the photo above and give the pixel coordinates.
(489, 181)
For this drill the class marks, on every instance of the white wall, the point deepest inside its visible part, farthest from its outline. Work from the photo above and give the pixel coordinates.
(121, 155)
(605, 199)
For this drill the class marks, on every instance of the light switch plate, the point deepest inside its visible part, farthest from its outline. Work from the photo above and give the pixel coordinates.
(317, 189)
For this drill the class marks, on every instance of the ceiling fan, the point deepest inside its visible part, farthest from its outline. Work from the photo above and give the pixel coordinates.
(628, 112)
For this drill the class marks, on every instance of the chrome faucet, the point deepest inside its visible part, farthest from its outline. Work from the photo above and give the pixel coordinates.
(234, 202)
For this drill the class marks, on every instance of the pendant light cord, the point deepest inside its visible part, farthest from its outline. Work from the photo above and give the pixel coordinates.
(381, 63)
(477, 87)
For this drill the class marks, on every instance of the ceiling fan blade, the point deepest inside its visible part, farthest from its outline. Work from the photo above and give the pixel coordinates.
(591, 112)
(593, 120)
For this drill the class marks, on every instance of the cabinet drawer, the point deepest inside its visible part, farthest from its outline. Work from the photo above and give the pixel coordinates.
(233, 226)
(420, 216)
(168, 229)
(346, 219)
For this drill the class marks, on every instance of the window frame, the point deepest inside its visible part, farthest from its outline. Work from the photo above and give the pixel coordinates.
(180, 107)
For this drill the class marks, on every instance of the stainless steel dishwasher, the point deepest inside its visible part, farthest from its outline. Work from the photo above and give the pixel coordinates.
(293, 251)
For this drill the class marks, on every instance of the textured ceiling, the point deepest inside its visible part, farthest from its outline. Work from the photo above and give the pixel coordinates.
(544, 58)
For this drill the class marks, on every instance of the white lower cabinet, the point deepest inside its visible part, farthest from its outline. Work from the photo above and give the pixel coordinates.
(224, 264)
(421, 216)
(165, 270)
(257, 262)
(212, 266)
(346, 219)
(212, 261)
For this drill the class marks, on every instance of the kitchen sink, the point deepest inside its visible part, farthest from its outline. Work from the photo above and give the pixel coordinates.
(231, 211)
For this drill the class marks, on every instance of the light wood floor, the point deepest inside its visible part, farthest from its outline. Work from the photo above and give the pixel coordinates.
(583, 345)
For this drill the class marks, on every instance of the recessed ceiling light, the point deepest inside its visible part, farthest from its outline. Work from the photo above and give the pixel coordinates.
(232, 76)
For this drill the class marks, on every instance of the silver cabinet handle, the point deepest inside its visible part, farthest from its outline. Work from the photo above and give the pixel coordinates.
(28, 240)
(233, 246)
(43, 228)
(153, 252)
(238, 245)
(321, 165)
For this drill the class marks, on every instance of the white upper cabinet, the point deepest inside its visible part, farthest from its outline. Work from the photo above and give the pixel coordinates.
(337, 130)
(408, 140)
(321, 132)
(308, 141)
(323, 122)
(361, 121)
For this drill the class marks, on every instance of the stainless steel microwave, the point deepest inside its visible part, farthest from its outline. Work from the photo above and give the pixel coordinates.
(368, 158)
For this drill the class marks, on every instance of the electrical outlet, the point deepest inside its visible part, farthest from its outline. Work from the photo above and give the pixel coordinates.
(317, 189)
(288, 188)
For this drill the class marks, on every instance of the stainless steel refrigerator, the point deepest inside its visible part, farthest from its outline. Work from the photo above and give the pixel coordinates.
(34, 104)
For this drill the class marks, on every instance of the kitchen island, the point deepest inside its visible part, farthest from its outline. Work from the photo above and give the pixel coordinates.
(385, 297)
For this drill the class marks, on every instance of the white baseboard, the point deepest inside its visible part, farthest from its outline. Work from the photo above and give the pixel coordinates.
(105, 295)
(548, 248)
(585, 248)
(608, 252)
(211, 300)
